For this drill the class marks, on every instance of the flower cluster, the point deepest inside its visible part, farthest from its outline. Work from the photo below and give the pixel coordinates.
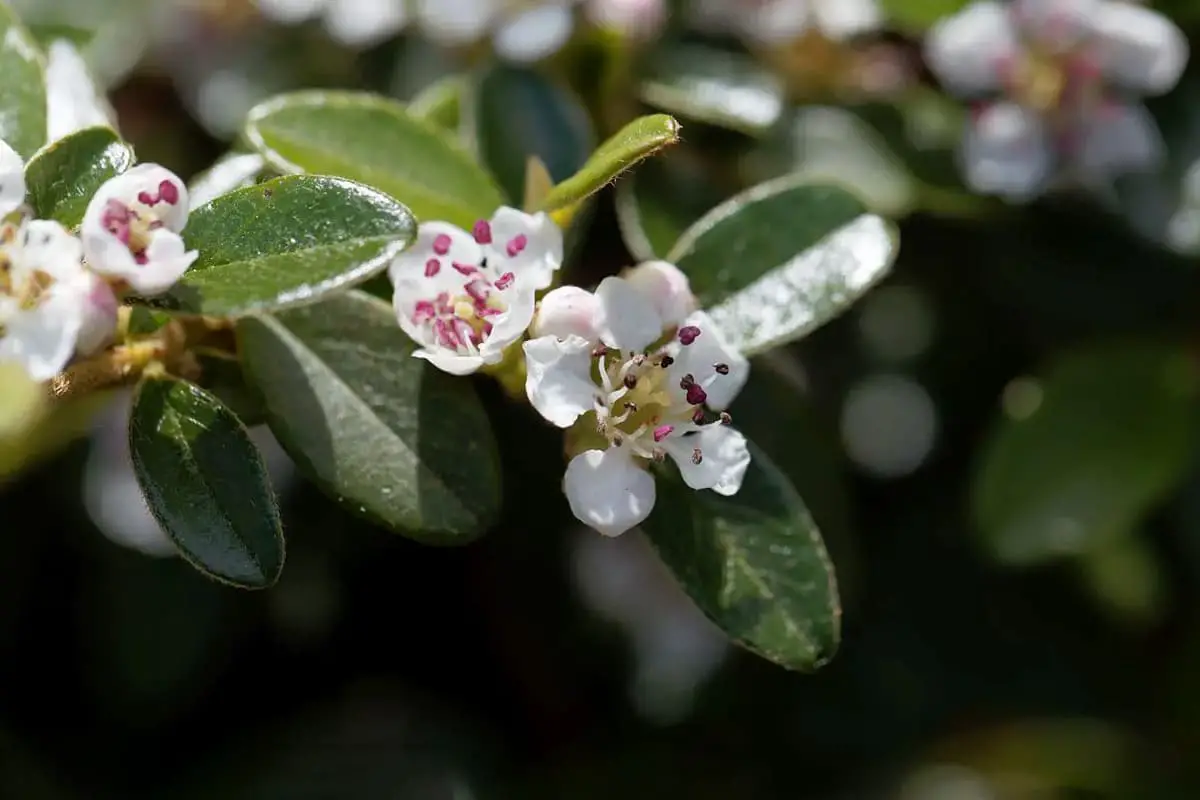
(1064, 70)
(59, 291)
(633, 371)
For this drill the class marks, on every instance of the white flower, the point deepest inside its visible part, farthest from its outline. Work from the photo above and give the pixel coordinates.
(50, 306)
(1062, 69)
(524, 31)
(638, 19)
(778, 21)
(131, 229)
(637, 388)
(355, 23)
(12, 180)
(465, 297)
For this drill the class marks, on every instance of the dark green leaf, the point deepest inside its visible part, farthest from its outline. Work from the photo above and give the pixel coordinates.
(288, 241)
(622, 151)
(376, 141)
(223, 376)
(1086, 451)
(754, 563)
(394, 438)
(517, 113)
(144, 320)
(23, 91)
(718, 87)
(45, 33)
(205, 483)
(62, 178)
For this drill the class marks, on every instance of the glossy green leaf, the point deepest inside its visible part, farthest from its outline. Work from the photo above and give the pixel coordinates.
(517, 113)
(440, 102)
(222, 375)
(622, 151)
(231, 171)
(391, 436)
(783, 258)
(1086, 451)
(62, 178)
(754, 563)
(205, 483)
(23, 91)
(378, 142)
(288, 241)
(714, 86)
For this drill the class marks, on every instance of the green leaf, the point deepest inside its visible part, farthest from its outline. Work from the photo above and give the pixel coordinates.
(718, 87)
(73, 100)
(62, 178)
(440, 102)
(205, 483)
(288, 241)
(23, 91)
(390, 435)
(229, 172)
(917, 16)
(754, 563)
(144, 320)
(375, 141)
(22, 401)
(222, 374)
(516, 113)
(1086, 451)
(622, 151)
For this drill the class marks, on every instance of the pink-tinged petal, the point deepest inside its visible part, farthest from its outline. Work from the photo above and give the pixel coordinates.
(969, 51)
(666, 286)
(1055, 25)
(443, 244)
(1119, 138)
(1139, 48)
(568, 311)
(99, 321)
(608, 491)
(1006, 151)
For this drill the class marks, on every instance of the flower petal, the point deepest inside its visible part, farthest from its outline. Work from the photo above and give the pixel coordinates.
(444, 244)
(99, 321)
(608, 491)
(528, 245)
(967, 51)
(363, 23)
(12, 180)
(700, 360)
(48, 247)
(535, 34)
(1055, 25)
(840, 19)
(567, 311)
(146, 178)
(448, 361)
(509, 326)
(42, 340)
(558, 378)
(455, 22)
(772, 22)
(1139, 48)
(1006, 152)
(627, 318)
(1121, 138)
(716, 457)
(666, 286)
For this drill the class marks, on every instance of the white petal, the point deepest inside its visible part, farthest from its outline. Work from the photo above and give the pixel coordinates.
(639, 19)
(567, 311)
(1055, 25)
(1006, 151)
(542, 255)
(1139, 48)
(723, 458)
(967, 50)
(608, 491)
(289, 12)
(406, 293)
(47, 246)
(12, 179)
(1119, 139)
(167, 258)
(72, 100)
(627, 319)
(774, 21)
(535, 34)
(99, 322)
(666, 286)
(145, 178)
(42, 340)
(839, 19)
(699, 358)
(363, 23)
(455, 22)
(449, 361)
(558, 378)
(412, 263)
(510, 326)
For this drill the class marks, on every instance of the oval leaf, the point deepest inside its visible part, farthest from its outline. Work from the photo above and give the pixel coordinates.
(231, 171)
(440, 102)
(754, 563)
(23, 91)
(517, 113)
(1086, 451)
(73, 100)
(205, 483)
(288, 241)
(718, 87)
(622, 151)
(393, 437)
(62, 178)
(378, 142)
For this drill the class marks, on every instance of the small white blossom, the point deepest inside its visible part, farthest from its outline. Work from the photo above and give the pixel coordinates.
(1063, 70)
(523, 31)
(465, 297)
(355, 23)
(50, 306)
(637, 387)
(773, 22)
(636, 19)
(131, 229)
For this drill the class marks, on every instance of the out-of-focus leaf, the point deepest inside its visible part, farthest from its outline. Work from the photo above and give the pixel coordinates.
(378, 142)
(713, 86)
(918, 15)
(388, 434)
(223, 376)
(74, 101)
(440, 102)
(205, 483)
(1086, 450)
(23, 91)
(230, 171)
(288, 241)
(56, 426)
(62, 178)
(754, 563)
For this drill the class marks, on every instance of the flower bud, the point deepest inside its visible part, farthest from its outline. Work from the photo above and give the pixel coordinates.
(666, 286)
(565, 311)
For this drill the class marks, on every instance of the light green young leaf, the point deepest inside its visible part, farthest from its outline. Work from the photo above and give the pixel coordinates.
(288, 241)
(205, 483)
(392, 437)
(23, 91)
(440, 102)
(754, 563)
(63, 176)
(378, 142)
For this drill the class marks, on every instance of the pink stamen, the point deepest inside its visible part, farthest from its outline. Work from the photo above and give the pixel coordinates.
(141, 259)
(423, 312)
(688, 334)
(695, 394)
(464, 269)
(504, 281)
(516, 245)
(441, 244)
(482, 232)
(662, 432)
(168, 192)
(477, 290)
(432, 267)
